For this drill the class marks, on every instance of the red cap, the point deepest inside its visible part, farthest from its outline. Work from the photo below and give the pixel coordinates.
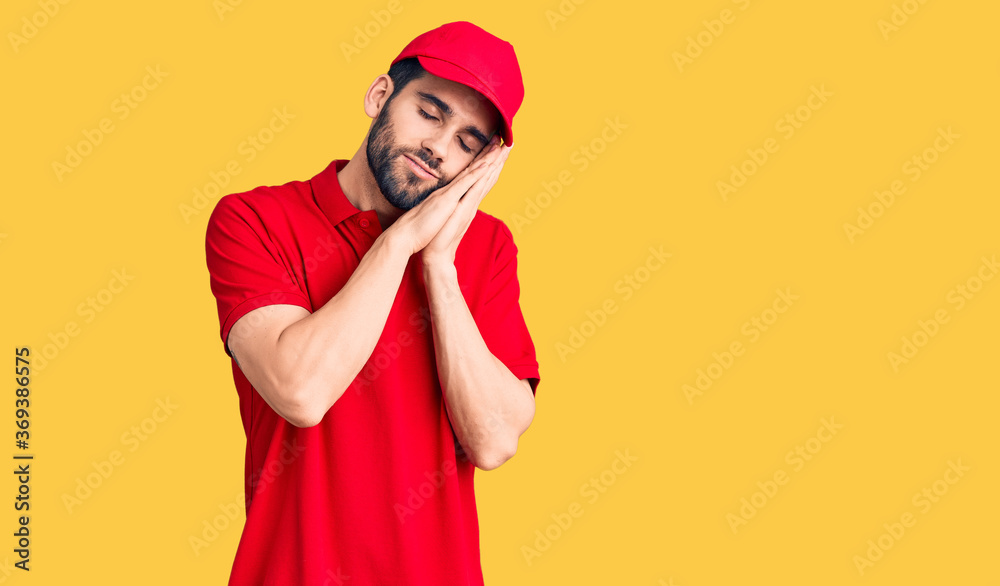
(464, 53)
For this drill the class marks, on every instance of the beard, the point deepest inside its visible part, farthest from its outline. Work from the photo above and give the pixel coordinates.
(397, 182)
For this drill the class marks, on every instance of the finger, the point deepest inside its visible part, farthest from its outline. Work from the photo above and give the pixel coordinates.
(496, 152)
(493, 173)
(478, 163)
(490, 147)
(461, 184)
(475, 170)
(475, 195)
(493, 177)
(469, 203)
(446, 199)
(482, 158)
(498, 155)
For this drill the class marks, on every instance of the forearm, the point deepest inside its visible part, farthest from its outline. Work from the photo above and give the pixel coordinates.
(323, 352)
(489, 407)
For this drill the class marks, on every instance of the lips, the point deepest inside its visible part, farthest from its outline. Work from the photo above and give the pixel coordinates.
(420, 168)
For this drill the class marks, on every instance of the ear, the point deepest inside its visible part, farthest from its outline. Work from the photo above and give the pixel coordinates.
(377, 94)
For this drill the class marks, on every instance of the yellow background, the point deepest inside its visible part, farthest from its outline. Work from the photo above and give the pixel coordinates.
(664, 519)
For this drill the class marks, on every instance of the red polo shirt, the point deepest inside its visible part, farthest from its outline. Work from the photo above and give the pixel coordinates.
(376, 493)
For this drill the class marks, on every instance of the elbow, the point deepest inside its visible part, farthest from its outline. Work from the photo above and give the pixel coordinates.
(302, 404)
(298, 412)
(493, 456)
(528, 417)
(500, 443)
(300, 393)
(302, 418)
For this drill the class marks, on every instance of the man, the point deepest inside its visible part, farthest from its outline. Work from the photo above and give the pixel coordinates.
(379, 351)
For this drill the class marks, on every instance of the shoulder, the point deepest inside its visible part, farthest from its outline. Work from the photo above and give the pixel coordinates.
(270, 212)
(488, 232)
(262, 205)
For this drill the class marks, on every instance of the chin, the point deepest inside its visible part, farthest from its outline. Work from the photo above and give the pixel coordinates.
(411, 201)
(408, 199)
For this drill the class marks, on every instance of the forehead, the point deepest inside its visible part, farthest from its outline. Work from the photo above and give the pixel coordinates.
(466, 103)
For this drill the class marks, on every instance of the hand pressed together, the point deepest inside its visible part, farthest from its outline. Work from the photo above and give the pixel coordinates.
(435, 226)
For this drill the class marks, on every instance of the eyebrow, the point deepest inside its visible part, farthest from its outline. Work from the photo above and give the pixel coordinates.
(444, 107)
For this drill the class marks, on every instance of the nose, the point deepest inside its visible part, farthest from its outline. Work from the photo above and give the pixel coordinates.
(435, 146)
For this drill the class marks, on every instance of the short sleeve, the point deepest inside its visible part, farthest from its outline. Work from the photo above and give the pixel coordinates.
(246, 268)
(500, 320)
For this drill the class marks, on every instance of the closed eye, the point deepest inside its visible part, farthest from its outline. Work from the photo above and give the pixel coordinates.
(460, 141)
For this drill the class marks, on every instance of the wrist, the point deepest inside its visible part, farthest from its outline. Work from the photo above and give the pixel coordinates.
(393, 242)
(438, 265)
(441, 280)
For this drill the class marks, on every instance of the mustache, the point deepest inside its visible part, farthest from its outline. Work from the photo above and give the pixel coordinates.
(423, 156)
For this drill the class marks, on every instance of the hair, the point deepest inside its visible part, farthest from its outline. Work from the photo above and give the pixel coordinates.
(406, 70)
(403, 72)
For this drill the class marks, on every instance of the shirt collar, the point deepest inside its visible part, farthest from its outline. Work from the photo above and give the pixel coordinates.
(330, 196)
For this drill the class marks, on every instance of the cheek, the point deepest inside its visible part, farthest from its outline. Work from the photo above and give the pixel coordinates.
(405, 131)
(458, 165)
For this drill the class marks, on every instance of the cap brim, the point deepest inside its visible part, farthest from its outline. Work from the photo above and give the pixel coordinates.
(452, 72)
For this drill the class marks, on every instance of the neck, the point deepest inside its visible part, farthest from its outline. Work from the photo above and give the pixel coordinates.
(358, 184)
